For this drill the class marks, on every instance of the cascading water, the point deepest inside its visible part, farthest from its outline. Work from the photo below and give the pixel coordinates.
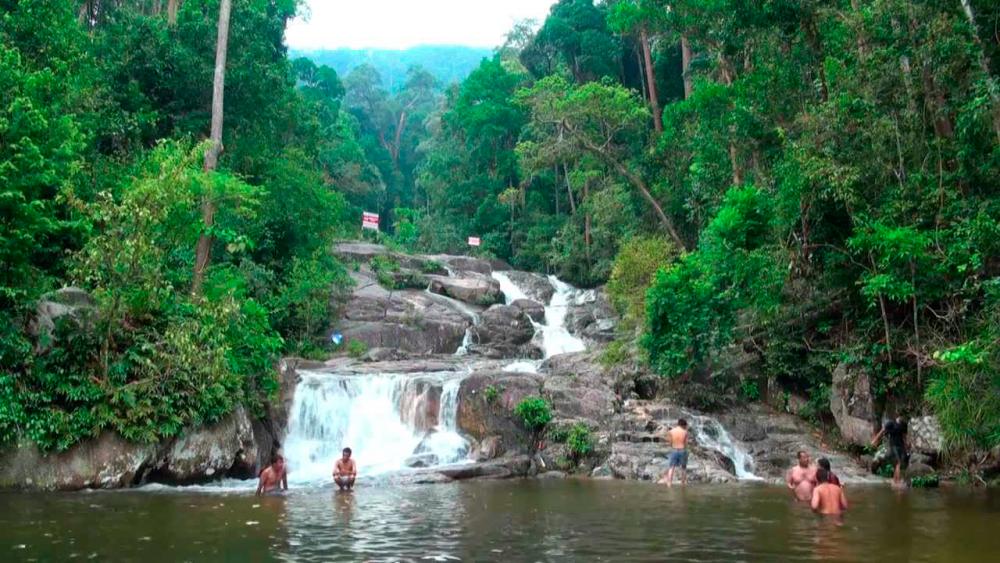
(384, 419)
(556, 339)
(711, 434)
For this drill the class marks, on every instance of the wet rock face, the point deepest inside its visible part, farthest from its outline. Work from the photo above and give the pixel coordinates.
(852, 404)
(579, 389)
(536, 286)
(486, 402)
(471, 288)
(209, 452)
(408, 320)
(534, 309)
(108, 462)
(925, 435)
(504, 331)
(590, 316)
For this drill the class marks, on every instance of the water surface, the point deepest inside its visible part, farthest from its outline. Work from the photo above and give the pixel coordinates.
(572, 520)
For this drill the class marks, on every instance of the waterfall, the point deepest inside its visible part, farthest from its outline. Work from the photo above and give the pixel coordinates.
(556, 339)
(384, 419)
(712, 435)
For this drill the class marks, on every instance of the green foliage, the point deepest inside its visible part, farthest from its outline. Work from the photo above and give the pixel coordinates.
(925, 482)
(634, 269)
(749, 390)
(491, 394)
(580, 441)
(535, 413)
(887, 471)
(357, 348)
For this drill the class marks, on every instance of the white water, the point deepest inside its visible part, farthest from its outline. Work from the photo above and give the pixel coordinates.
(711, 434)
(556, 339)
(377, 416)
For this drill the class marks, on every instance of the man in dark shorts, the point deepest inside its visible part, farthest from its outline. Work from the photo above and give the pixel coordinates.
(824, 464)
(895, 430)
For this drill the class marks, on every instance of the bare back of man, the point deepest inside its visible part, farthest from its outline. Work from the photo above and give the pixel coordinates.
(678, 456)
(828, 498)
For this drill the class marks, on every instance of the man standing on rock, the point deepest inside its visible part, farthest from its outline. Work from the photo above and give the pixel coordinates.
(274, 477)
(679, 456)
(345, 471)
(802, 478)
(896, 431)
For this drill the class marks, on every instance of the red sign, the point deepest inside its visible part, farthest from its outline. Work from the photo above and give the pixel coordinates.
(369, 220)
(473, 241)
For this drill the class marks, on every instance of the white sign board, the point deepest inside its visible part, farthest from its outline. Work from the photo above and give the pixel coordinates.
(473, 241)
(369, 220)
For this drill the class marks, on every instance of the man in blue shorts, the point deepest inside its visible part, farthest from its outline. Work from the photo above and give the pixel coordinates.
(678, 456)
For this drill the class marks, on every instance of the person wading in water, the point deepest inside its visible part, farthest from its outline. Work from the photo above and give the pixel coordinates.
(896, 431)
(679, 456)
(345, 471)
(827, 498)
(802, 478)
(273, 478)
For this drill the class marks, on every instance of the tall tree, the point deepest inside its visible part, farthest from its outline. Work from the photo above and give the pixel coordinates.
(203, 252)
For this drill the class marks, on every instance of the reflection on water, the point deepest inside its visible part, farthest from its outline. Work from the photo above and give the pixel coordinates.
(498, 521)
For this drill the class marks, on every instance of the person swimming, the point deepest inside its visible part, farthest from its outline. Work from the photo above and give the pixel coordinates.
(802, 478)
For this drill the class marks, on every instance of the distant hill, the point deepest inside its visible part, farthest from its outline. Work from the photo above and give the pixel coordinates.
(448, 63)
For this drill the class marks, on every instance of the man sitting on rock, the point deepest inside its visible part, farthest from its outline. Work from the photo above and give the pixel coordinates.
(802, 478)
(679, 456)
(274, 478)
(896, 431)
(345, 471)
(827, 498)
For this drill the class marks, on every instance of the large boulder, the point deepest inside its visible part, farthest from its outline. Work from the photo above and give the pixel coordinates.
(852, 404)
(473, 288)
(532, 308)
(925, 435)
(579, 389)
(107, 462)
(536, 286)
(590, 316)
(647, 461)
(209, 452)
(486, 402)
(67, 305)
(408, 320)
(504, 331)
(362, 253)
(463, 263)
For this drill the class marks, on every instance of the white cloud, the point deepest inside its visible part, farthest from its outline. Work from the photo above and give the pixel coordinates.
(399, 24)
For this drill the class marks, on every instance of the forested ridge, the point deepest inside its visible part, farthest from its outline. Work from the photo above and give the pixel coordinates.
(805, 184)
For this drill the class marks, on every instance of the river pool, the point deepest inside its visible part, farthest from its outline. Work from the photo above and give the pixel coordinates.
(530, 520)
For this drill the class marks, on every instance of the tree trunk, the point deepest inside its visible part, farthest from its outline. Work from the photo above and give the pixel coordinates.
(654, 101)
(984, 65)
(586, 221)
(686, 66)
(172, 7)
(569, 190)
(203, 252)
(397, 140)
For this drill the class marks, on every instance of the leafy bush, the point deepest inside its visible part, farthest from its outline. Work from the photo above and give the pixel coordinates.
(491, 394)
(579, 440)
(535, 413)
(925, 482)
(633, 272)
(357, 348)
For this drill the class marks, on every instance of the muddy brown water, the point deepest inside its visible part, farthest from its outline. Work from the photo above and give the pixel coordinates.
(531, 520)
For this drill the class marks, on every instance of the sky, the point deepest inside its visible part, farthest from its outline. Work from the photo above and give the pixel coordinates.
(400, 24)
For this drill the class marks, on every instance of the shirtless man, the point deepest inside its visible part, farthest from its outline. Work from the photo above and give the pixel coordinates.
(345, 471)
(802, 478)
(679, 456)
(274, 477)
(827, 498)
